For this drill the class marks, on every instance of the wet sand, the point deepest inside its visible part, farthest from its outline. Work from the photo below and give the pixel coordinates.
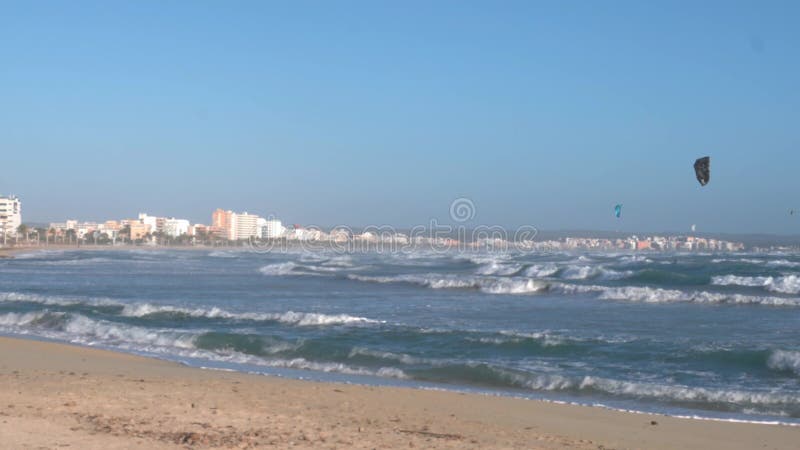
(62, 396)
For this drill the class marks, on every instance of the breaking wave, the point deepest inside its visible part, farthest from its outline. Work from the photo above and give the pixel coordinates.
(83, 330)
(224, 254)
(785, 360)
(541, 270)
(719, 399)
(575, 272)
(17, 297)
(658, 295)
(290, 317)
(148, 310)
(284, 268)
(789, 284)
(441, 281)
(496, 268)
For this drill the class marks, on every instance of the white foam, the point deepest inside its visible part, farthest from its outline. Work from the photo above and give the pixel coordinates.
(512, 286)
(307, 319)
(38, 254)
(554, 382)
(21, 319)
(75, 262)
(278, 269)
(343, 261)
(545, 338)
(500, 269)
(289, 317)
(489, 285)
(635, 259)
(293, 268)
(224, 254)
(658, 295)
(685, 393)
(299, 364)
(574, 272)
(81, 329)
(578, 272)
(789, 284)
(785, 360)
(92, 332)
(487, 259)
(148, 309)
(783, 263)
(55, 300)
(738, 260)
(541, 270)
(400, 357)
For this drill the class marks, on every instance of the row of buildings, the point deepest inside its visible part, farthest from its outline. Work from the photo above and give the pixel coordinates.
(224, 225)
(236, 226)
(663, 243)
(233, 226)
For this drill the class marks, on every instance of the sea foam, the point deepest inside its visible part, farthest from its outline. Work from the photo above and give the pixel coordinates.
(789, 284)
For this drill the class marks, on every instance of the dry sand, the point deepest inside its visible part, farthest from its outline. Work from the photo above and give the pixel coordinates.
(62, 396)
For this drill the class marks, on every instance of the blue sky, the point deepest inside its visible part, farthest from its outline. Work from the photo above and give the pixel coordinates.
(542, 113)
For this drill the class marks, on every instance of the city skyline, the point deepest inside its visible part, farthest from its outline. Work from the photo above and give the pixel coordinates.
(543, 114)
(232, 227)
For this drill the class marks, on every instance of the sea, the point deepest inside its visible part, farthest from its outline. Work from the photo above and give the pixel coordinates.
(713, 336)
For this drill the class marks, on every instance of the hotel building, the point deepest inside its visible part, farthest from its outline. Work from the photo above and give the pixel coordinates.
(10, 216)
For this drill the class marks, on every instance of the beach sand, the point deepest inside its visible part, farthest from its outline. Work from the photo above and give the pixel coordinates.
(62, 396)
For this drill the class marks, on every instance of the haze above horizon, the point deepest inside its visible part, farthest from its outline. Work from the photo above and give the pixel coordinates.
(541, 113)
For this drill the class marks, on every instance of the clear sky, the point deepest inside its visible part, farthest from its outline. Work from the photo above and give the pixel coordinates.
(377, 112)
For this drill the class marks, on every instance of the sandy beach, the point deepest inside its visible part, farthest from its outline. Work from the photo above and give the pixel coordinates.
(62, 396)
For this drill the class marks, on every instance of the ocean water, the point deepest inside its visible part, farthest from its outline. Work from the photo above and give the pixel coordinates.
(706, 335)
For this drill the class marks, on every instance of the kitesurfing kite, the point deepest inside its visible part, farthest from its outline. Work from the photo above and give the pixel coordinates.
(618, 211)
(702, 169)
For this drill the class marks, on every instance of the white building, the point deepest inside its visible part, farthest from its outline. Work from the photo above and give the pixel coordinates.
(150, 221)
(176, 227)
(272, 229)
(244, 226)
(10, 216)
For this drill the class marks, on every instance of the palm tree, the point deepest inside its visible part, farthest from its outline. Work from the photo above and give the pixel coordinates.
(52, 232)
(125, 233)
(23, 230)
(72, 235)
(39, 233)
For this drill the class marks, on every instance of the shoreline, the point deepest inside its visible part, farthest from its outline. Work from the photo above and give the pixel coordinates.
(72, 392)
(11, 251)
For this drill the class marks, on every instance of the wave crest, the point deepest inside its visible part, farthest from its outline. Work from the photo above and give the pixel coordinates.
(441, 281)
(789, 284)
(784, 360)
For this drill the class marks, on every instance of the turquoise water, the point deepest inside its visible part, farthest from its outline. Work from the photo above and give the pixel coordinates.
(715, 335)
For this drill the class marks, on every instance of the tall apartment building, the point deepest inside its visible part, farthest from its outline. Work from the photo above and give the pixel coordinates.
(10, 216)
(221, 223)
(235, 226)
(247, 226)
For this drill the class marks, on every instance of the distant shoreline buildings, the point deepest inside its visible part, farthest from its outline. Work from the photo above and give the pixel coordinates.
(148, 229)
(228, 227)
